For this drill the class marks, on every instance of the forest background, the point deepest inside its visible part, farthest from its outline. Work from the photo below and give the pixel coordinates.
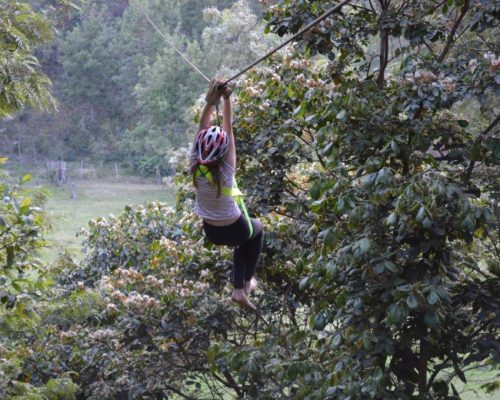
(122, 93)
(369, 149)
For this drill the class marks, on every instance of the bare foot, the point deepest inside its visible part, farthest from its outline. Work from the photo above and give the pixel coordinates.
(250, 286)
(239, 297)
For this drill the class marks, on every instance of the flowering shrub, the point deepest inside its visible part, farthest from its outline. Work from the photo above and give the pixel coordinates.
(148, 312)
(380, 270)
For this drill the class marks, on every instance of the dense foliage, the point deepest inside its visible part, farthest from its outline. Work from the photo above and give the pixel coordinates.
(396, 196)
(21, 81)
(370, 151)
(124, 93)
(148, 314)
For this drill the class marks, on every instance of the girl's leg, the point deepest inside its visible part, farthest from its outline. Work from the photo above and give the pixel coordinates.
(247, 251)
(246, 256)
(240, 293)
(239, 266)
(253, 248)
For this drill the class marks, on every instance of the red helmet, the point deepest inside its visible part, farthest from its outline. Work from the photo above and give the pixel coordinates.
(211, 145)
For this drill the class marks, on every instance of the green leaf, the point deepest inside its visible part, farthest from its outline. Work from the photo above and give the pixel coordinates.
(475, 152)
(26, 178)
(391, 266)
(440, 387)
(25, 203)
(303, 283)
(460, 373)
(341, 299)
(391, 219)
(362, 246)
(412, 301)
(332, 269)
(327, 149)
(421, 214)
(432, 298)
(463, 123)
(16, 286)
(404, 288)
(300, 110)
(10, 256)
(395, 314)
(329, 238)
(427, 223)
(315, 190)
(394, 147)
(320, 321)
(337, 340)
(369, 180)
(377, 374)
(212, 352)
(341, 115)
(431, 318)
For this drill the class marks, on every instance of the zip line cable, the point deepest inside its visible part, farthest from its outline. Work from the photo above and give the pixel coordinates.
(323, 16)
(171, 44)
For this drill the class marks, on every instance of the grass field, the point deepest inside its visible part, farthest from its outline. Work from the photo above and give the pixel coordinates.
(94, 199)
(476, 378)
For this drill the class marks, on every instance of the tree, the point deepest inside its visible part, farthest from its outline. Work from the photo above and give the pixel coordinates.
(233, 38)
(21, 81)
(87, 86)
(399, 296)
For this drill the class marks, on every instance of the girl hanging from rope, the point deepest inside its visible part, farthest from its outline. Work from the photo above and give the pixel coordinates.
(213, 166)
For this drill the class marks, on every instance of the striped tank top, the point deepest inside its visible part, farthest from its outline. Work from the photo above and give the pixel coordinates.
(207, 205)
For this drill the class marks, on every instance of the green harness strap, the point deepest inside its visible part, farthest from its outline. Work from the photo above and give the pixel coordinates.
(231, 192)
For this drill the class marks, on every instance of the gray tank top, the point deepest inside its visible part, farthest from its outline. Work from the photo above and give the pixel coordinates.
(207, 205)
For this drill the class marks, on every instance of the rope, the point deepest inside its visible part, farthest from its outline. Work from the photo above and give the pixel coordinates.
(171, 44)
(325, 15)
(302, 31)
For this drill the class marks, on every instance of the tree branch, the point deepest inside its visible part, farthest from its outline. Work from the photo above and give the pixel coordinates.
(436, 371)
(384, 48)
(179, 393)
(482, 134)
(450, 40)
(362, 8)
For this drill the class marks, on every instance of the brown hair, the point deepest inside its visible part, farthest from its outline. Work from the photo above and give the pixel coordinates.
(214, 170)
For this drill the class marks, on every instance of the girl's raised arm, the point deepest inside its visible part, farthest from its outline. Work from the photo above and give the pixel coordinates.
(227, 116)
(213, 95)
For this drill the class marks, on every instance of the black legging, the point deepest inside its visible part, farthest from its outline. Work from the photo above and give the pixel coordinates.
(247, 250)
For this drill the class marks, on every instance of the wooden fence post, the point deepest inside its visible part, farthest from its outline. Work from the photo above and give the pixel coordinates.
(73, 190)
(158, 175)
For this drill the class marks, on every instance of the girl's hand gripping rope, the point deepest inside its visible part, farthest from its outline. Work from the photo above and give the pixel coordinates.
(215, 91)
(228, 90)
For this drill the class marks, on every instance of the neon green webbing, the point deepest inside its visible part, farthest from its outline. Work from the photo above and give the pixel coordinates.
(231, 192)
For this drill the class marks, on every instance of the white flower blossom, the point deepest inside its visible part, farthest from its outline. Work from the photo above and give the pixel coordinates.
(103, 334)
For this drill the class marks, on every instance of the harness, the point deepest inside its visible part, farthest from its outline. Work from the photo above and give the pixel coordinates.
(231, 192)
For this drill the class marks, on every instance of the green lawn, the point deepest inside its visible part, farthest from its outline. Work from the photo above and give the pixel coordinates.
(94, 199)
(475, 379)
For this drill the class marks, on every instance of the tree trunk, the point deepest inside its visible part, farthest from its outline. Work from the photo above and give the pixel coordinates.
(384, 47)
(422, 363)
